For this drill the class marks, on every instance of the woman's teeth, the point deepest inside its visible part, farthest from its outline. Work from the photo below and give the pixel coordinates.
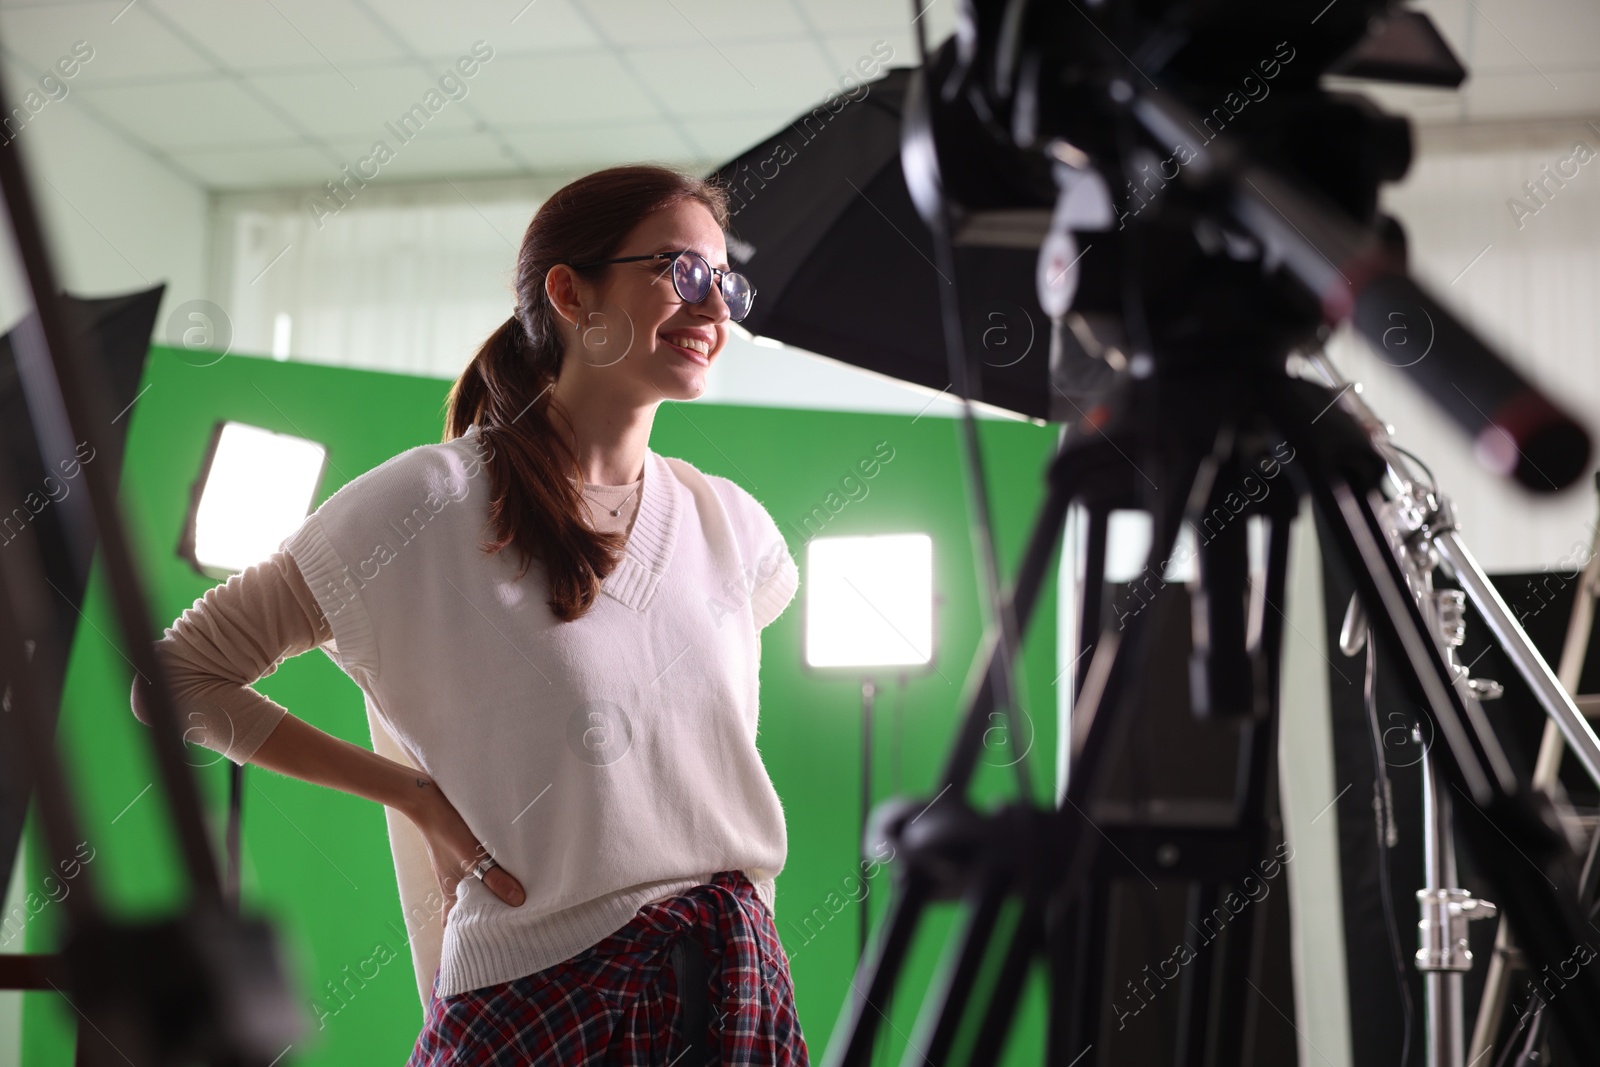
(691, 343)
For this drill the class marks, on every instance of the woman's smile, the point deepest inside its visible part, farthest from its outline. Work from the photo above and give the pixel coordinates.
(691, 344)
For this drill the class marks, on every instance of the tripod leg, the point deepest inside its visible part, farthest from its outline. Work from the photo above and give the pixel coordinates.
(1099, 721)
(1077, 988)
(1258, 744)
(1024, 949)
(852, 1041)
(969, 1006)
(1091, 614)
(1194, 1003)
(944, 1011)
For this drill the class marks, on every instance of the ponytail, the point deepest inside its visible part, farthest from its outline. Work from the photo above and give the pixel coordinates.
(533, 503)
(536, 483)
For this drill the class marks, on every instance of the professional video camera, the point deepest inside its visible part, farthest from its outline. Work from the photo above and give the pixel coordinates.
(1206, 214)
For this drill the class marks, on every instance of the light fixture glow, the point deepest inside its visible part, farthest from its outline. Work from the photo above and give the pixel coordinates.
(869, 600)
(258, 490)
(1128, 537)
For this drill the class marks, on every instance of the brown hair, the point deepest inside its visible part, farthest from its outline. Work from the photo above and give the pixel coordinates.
(505, 390)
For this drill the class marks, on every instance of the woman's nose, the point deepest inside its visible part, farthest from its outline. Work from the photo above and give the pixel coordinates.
(714, 306)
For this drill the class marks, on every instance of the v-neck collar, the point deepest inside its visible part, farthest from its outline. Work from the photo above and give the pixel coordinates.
(649, 546)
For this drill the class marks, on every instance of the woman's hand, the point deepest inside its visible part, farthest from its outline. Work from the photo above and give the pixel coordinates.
(453, 849)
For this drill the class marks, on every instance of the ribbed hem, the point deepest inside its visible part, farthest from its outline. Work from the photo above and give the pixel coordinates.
(336, 590)
(500, 948)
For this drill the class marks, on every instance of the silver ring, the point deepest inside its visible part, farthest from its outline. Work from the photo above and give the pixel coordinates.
(483, 866)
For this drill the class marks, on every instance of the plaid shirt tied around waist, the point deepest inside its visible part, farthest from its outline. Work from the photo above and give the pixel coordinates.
(616, 1003)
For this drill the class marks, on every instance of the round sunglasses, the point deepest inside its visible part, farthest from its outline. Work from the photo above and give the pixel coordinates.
(692, 277)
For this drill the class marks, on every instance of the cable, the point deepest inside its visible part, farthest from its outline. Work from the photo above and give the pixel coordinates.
(1385, 818)
(1433, 482)
(966, 377)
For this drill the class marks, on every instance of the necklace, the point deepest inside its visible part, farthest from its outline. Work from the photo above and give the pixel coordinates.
(618, 509)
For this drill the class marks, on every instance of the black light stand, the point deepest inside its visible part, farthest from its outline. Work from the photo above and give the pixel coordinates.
(206, 984)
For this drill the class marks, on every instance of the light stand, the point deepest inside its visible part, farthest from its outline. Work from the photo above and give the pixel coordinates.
(869, 602)
(868, 692)
(1580, 629)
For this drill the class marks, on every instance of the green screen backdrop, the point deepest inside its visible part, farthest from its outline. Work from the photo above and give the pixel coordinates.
(317, 861)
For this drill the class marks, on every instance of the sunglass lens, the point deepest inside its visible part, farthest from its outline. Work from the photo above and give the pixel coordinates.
(738, 294)
(691, 276)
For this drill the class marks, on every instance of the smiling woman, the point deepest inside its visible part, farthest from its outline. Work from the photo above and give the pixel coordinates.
(572, 745)
(605, 277)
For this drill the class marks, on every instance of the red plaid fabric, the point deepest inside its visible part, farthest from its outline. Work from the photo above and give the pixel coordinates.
(616, 1004)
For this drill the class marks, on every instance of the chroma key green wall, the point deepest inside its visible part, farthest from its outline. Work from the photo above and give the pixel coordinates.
(317, 861)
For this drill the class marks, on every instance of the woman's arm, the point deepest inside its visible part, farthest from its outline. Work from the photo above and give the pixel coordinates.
(241, 631)
(300, 750)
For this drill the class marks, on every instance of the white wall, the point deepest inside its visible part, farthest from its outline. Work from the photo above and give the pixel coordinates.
(116, 219)
(1533, 293)
(411, 279)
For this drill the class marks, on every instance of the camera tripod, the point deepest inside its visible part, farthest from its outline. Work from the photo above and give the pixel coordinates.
(1034, 881)
(1254, 250)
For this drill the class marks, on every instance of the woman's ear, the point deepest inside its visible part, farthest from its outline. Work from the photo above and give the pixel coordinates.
(561, 288)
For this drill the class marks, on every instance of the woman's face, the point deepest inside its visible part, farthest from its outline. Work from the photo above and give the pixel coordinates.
(634, 328)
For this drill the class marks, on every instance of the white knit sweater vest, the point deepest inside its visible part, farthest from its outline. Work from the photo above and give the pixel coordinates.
(605, 762)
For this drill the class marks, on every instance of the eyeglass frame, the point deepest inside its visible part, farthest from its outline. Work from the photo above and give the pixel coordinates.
(674, 256)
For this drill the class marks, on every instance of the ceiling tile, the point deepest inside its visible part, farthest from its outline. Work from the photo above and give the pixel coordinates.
(197, 113)
(693, 81)
(565, 88)
(724, 138)
(435, 29)
(433, 157)
(665, 22)
(328, 107)
(597, 145)
(834, 16)
(266, 34)
(873, 49)
(255, 168)
(135, 45)
(703, 80)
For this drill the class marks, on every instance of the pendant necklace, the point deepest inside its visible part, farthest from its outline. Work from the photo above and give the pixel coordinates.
(618, 509)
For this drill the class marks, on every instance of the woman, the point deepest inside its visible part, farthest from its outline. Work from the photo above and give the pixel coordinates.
(581, 734)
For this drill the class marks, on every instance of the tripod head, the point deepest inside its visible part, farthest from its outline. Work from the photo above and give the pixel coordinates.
(1210, 201)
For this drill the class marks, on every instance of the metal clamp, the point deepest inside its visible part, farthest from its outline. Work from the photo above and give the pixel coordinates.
(1442, 930)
